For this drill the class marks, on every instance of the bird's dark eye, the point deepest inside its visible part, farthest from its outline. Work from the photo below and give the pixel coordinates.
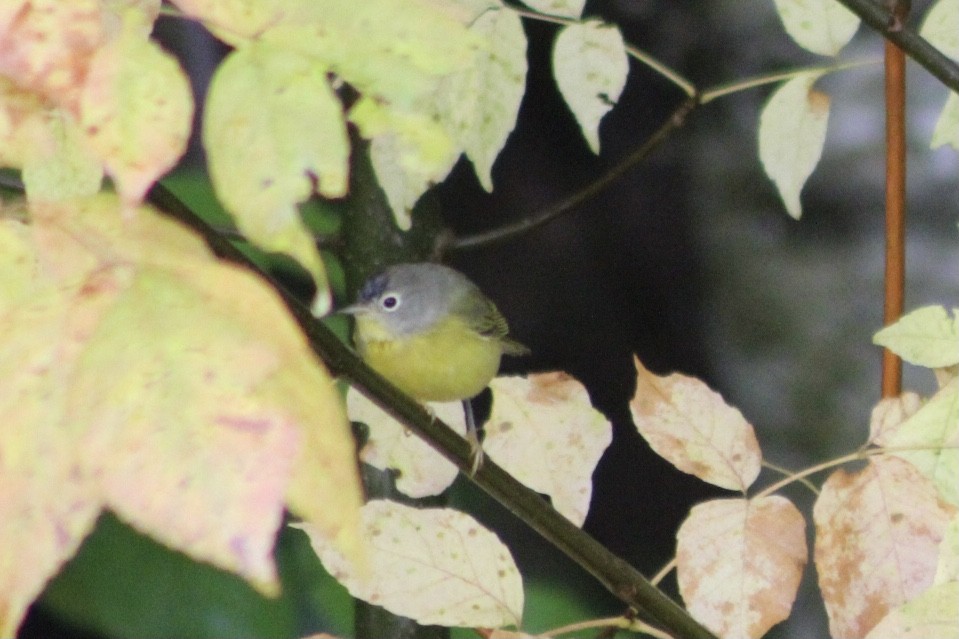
(390, 302)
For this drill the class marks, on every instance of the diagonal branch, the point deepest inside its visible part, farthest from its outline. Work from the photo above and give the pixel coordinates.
(618, 576)
(876, 15)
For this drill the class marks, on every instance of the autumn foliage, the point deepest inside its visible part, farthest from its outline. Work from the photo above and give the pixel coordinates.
(144, 376)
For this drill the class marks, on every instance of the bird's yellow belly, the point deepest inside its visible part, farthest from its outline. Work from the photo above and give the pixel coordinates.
(444, 364)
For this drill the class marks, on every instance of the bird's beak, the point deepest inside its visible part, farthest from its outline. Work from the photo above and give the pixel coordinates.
(353, 309)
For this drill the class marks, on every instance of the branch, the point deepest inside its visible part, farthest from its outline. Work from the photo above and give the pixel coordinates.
(567, 204)
(618, 576)
(876, 15)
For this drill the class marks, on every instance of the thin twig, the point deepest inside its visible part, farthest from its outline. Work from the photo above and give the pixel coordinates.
(567, 204)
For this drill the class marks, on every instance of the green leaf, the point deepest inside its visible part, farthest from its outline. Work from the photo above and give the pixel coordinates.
(792, 133)
(925, 337)
(590, 65)
(941, 27)
(947, 126)
(563, 8)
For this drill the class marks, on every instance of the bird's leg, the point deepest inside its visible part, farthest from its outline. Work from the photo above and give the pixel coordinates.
(472, 436)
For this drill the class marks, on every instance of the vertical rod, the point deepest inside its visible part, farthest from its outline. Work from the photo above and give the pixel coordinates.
(895, 63)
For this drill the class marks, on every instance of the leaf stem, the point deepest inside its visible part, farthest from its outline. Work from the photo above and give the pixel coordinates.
(757, 81)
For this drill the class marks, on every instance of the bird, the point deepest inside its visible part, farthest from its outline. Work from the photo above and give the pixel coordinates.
(433, 334)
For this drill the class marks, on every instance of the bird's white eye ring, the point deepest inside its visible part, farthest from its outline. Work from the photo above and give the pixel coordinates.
(390, 302)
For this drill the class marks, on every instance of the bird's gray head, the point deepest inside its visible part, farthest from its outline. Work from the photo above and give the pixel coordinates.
(411, 298)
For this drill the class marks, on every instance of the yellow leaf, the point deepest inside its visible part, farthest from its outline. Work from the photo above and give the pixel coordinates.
(136, 109)
(63, 167)
(878, 532)
(46, 505)
(739, 563)
(436, 566)
(545, 432)
(274, 133)
(421, 470)
(183, 394)
(695, 430)
(934, 613)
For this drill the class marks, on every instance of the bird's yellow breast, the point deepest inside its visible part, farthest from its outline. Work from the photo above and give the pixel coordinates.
(448, 362)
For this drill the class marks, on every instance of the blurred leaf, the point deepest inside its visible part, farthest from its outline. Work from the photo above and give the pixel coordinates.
(739, 563)
(691, 427)
(590, 65)
(932, 432)
(136, 109)
(878, 532)
(792, 133)
(820, 26)
(941, 27)
(933, 613)
(436, 566)
(152, 379)
(947, 126)
(546, 433)
(927, 337)
(274, 132)
(563, 8)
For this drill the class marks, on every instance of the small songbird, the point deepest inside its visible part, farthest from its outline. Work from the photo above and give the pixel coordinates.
(430, 331)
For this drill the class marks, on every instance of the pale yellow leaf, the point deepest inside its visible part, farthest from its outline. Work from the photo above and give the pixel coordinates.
(480, 103)
(562, 8)
(792, 132)
(941, 27)
(927, 336)
(889, 413)
(136, 109)
(62, 167)
(397, 48)
(421, 470)
(590, 66)
(948, 567)
(934, 614)
(152, 379)
(929, 440)
(820, 26)
(695, 430)
(410, 151)
(436, 566)
(545, 432)
(878, 532)
(236, 22)
(947, 126)
(739, 563)
(47, 506)
(274, 133)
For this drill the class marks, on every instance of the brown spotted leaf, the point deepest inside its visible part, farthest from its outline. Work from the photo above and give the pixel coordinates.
(878, 532)
(695, 430)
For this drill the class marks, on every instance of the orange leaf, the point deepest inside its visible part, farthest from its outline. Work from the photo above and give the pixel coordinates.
(739, 563)
(878, 532)
(695, 430)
